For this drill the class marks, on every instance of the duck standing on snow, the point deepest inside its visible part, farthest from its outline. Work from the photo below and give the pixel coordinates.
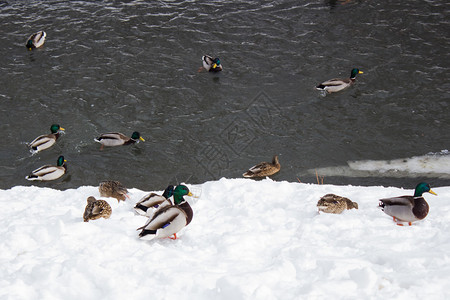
(168, 220)
(36, 40)
(96, 209)
(211, 64)
(118, 139)
(334, 204)
(264, 169)
(48, 172)
(408, 208)
(338, 84)
(43, 142)
(114, 189)
(154, 201)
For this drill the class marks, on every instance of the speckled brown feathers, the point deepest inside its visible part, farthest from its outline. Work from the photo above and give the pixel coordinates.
(264, 169)
(114, 189)
(334, 204)
(96, 209)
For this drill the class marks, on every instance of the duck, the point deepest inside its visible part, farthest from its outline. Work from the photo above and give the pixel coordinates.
(264, 169)
(113, 189)
(48, 172)
(118, 139)
(338, 84)
(154, 201)
(36, 40)
(169, 220)
(45, 141)
(211, 64)
(96, 209)
(408, 208)
(334, 204)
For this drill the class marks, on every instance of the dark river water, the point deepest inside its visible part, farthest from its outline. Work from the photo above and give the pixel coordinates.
(133, 66)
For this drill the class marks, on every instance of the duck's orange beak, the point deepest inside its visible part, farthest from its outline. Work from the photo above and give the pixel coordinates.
(431, 192)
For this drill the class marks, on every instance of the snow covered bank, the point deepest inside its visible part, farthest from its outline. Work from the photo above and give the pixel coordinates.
(247, 240)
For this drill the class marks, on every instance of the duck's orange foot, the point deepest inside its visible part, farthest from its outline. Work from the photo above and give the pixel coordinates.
(401, 224)
(174, 237)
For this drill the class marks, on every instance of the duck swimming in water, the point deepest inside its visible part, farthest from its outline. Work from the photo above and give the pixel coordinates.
(338, 84)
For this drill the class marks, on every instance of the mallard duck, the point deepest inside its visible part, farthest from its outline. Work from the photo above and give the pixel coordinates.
(264, 169)
(48, 172)
(114, 189)
(117, 139)
(334, 204)
(154, 201)
(96, 209)
(168, 220)
(36, 40)
(211, 64)
(338, 84)
(43, 142)
(408, 208)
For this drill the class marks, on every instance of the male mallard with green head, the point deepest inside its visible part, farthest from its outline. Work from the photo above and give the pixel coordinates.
(117, 139)
(151, 202)
(43, 142)
(334, 204)
(113, 189)
(408, 208)
(211, 64)
(338, 84)
(168, 220)
(48, 172)
(264, 169)
(36, 40)
(96, 209)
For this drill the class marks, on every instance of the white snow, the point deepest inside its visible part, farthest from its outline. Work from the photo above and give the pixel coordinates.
(248, 240)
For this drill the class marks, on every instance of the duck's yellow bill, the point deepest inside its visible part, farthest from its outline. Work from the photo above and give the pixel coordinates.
(60, 128)
(360, 72)
(189, 194)
(431, 192)
(214, 66)
(142, 139)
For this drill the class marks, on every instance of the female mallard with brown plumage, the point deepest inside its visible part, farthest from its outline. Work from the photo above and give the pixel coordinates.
(114, 189)
(408, 208)
(168, 220)
(43, 142)
(96, 209)
(338, 84)
(334, 204)
(264, 169)
(151, 202)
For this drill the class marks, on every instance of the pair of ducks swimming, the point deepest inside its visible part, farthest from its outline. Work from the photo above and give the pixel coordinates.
(42, 142)
(166, 218)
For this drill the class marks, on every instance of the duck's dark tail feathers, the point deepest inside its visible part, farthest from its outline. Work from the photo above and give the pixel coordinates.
(141, 207)
(146, 232)
(320, 87)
